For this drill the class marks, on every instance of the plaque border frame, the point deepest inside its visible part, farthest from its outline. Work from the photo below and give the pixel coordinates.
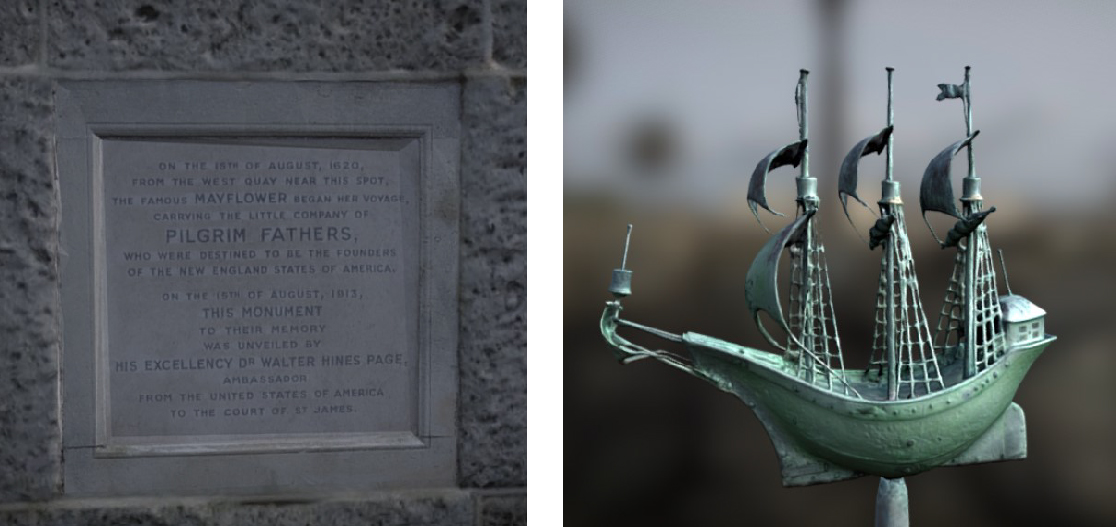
(302, 442)
(88, 113)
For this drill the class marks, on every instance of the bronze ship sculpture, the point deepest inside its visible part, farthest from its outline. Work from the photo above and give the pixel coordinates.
(928, 397)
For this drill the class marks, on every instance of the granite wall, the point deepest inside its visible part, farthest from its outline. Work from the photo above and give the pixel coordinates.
(479, 43)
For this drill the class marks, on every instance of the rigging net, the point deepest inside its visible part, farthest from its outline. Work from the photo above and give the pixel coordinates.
(901, 322)
(813, 338)
(986, 344)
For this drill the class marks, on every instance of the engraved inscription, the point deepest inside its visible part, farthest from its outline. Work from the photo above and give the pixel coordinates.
(259, 290)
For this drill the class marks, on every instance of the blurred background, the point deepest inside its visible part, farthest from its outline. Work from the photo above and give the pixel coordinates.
(668, 106)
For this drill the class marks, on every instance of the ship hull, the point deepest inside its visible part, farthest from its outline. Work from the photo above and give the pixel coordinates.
(884, 438)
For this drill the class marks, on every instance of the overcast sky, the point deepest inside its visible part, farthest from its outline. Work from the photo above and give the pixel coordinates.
(721, 75)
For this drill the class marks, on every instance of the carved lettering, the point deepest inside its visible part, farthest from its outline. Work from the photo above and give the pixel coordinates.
(259, 290)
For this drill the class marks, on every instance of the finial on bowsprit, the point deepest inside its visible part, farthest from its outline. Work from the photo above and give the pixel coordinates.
(622, 278)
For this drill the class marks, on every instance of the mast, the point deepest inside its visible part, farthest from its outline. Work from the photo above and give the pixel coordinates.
(813, 350)
(971, 202)
(903, 359)
(800, 100)
(801, 293)
(970, 317)
(889, 198)
(807, 186)
(812, 317)
(807, 203)
(907, 342)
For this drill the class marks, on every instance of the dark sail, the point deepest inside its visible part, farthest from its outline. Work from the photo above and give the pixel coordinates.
(936, 193)
(761, 290)
(757, 187)
(846, 183)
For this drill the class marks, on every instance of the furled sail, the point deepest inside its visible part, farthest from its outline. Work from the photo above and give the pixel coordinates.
(965, 226)
(761, 290)
(846, 183)
(757, 186)
(880, 231)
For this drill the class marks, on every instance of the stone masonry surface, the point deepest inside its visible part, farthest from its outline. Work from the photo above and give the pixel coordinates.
(493, 315)
(509, 33)
(29, 296)
(267, 35)
(481, 43)
(416, 508)
(504, 510)
(19, 42)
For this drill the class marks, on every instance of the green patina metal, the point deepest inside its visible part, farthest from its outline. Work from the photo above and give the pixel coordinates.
(884, 438)
(927, 399)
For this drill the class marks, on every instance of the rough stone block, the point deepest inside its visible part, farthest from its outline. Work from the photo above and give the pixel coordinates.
(270, 35)
(494, 294)
(492, 446)
(17, 517)
(498, 221)
(139, 515)
(509, 33)
(19, 32)
(447, 508)
(504, 510)
(494, 164)
(29, 295)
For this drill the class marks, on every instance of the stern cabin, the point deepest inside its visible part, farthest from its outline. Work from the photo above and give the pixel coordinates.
(1023, 320)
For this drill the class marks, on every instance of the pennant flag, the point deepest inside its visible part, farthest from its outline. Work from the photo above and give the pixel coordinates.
(951, 91)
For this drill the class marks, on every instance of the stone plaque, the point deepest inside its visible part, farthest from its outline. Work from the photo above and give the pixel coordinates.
(258, 295)
(281, 287)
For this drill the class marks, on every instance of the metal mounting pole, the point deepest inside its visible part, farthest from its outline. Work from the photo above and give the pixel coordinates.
(891, 503)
